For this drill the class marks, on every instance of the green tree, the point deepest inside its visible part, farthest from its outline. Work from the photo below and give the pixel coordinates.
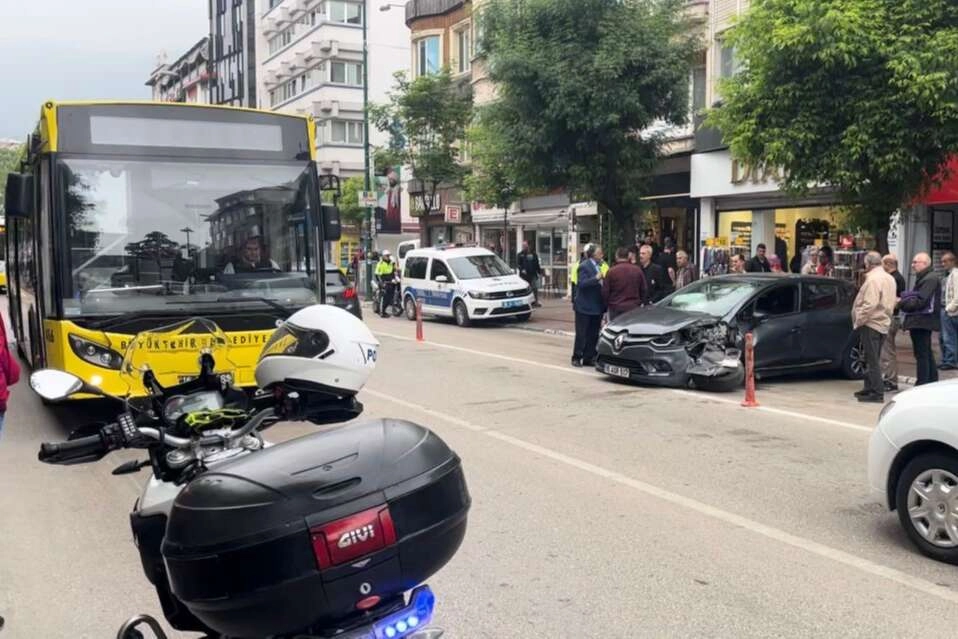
(861, 95)
(349, 206)
(426, 119)
(491, 180)
(586, 90)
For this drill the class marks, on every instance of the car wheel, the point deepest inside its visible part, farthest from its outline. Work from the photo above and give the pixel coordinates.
(410, 306)
(721, 384)
(926, 498)
(854, 365)
(461, 314)
(525, 317)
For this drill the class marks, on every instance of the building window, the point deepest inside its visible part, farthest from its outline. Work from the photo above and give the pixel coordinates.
(728, 62)
(343, 12)
(273, 3)
(463, 42)
(350, 73)
(346, 132)
(427, 56)
(280, 40)
(698, 89)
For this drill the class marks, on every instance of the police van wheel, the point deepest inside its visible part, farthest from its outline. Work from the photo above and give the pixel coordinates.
(461, 314)
(410, 306)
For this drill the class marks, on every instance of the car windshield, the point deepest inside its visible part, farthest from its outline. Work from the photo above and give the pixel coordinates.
(153, 235)
(476, 267)
(715, 296)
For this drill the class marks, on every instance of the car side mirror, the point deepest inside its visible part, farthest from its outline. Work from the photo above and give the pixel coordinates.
(18, 195)
(442, 279)
(759, 316)
(332, 224)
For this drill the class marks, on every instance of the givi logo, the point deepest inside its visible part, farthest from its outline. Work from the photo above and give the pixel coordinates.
(357, 536)
(345, 540)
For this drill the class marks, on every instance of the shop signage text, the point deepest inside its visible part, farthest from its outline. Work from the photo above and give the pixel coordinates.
(453, 214)
(743, 173)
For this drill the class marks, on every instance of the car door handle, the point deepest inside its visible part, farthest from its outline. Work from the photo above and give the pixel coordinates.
(796, 329)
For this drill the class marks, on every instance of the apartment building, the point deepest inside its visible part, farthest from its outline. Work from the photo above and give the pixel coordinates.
(184, 80)
(232, 52)
(311, 62)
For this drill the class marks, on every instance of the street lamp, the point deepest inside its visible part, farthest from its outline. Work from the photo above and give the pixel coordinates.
(187, 230)
(390, 5)
(368, 184)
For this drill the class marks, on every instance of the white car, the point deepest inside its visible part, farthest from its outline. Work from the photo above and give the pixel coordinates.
(466, 284)
(913, 463)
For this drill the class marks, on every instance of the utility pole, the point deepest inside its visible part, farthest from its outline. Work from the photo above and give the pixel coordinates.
(369, 211)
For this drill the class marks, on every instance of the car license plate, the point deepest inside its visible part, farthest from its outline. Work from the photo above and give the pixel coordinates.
(513, 304)
(730, 362)
(618, 371)
(182, 379)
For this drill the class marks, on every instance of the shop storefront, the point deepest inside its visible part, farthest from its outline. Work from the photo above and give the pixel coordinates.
(742, 207)
(942, 211)
(670, 213)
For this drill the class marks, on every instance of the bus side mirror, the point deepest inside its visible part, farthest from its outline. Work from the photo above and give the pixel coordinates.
(18, 196)
(332, 225)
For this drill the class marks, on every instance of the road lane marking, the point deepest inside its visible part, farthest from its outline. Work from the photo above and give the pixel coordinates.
(770, 532)
(689, 394)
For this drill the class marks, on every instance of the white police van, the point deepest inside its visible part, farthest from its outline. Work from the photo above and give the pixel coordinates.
(466, 284)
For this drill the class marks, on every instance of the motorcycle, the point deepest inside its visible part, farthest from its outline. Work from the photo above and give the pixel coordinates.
(393, 306)
(317, 537)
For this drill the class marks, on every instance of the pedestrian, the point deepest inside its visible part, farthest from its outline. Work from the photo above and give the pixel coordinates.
(759, 263)
(921, 311)
(811, 267)
(685, 272)
(624, 288)
(658, 281)
(529, 270)
(826, 262)
(871, 317)
(9, 374)
(736, 264)
(589, 308)
(889, 350)
(667, 258)
(949, 313)
(775, 264)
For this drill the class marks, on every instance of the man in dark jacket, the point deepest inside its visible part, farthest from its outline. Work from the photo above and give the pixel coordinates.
(921, 309)
(889, 351)
(657, 280)
(623, 288)
(529, 270)
(589, 308)
(759, 263)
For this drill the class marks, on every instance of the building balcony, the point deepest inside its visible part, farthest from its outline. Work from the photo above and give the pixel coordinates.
(416, 9)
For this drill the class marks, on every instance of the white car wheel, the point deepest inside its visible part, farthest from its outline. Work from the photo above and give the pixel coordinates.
(927, 501)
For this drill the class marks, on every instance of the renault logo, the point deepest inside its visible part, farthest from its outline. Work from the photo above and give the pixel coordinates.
(619, 342)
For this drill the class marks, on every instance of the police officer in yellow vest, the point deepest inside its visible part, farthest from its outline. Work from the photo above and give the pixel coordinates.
(386, 276)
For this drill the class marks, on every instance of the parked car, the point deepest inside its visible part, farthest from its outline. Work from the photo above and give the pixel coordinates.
(341, 292)
(913, 464)
(467, 284)
(799, 323)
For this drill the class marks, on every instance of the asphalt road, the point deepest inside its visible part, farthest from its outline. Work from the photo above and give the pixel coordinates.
(600, 509)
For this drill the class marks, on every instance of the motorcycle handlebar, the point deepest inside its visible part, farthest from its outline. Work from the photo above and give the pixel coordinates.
(75, 451)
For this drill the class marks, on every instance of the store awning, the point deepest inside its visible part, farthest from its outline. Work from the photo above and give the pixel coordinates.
(947, 192)
(542, 218)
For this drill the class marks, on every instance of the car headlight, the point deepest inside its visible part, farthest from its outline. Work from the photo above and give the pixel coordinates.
(479, 295)
(96, 354)
(665, 341)
(885, 410)
(527, 290)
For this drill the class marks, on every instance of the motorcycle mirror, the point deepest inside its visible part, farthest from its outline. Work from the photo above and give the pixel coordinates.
(53, 385)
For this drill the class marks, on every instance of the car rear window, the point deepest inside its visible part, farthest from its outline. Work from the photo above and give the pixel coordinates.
(336, 278)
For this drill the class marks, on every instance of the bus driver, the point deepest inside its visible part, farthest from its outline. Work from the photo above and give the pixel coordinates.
(253, 258)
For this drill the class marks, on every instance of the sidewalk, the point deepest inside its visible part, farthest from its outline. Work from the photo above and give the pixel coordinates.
(557, 318)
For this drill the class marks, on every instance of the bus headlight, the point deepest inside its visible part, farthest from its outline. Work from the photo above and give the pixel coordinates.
(95, 354)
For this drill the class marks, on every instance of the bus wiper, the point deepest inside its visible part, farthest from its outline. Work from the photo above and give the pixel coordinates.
(265, 300)
(113, 320)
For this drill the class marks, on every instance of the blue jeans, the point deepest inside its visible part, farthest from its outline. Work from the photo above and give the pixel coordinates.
(949, 339)
(2, 417)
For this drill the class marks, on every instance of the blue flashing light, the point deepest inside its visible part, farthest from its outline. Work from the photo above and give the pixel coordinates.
(403, 622)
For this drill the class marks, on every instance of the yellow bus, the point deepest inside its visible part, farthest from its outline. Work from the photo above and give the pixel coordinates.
(127, 216)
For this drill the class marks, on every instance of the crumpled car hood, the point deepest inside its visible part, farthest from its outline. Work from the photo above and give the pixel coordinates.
(657, 320)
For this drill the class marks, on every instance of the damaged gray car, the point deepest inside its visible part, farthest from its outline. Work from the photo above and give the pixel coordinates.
(695, 337)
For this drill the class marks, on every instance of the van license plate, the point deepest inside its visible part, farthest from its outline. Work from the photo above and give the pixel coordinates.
(513, 304)
(618, 371)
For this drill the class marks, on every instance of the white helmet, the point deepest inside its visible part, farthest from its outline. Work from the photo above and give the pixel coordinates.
(322, 347)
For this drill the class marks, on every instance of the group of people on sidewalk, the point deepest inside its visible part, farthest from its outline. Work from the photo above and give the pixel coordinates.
(636, 279)
(884, 306)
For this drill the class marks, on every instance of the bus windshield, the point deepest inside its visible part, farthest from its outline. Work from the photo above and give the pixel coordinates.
(148, 235)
